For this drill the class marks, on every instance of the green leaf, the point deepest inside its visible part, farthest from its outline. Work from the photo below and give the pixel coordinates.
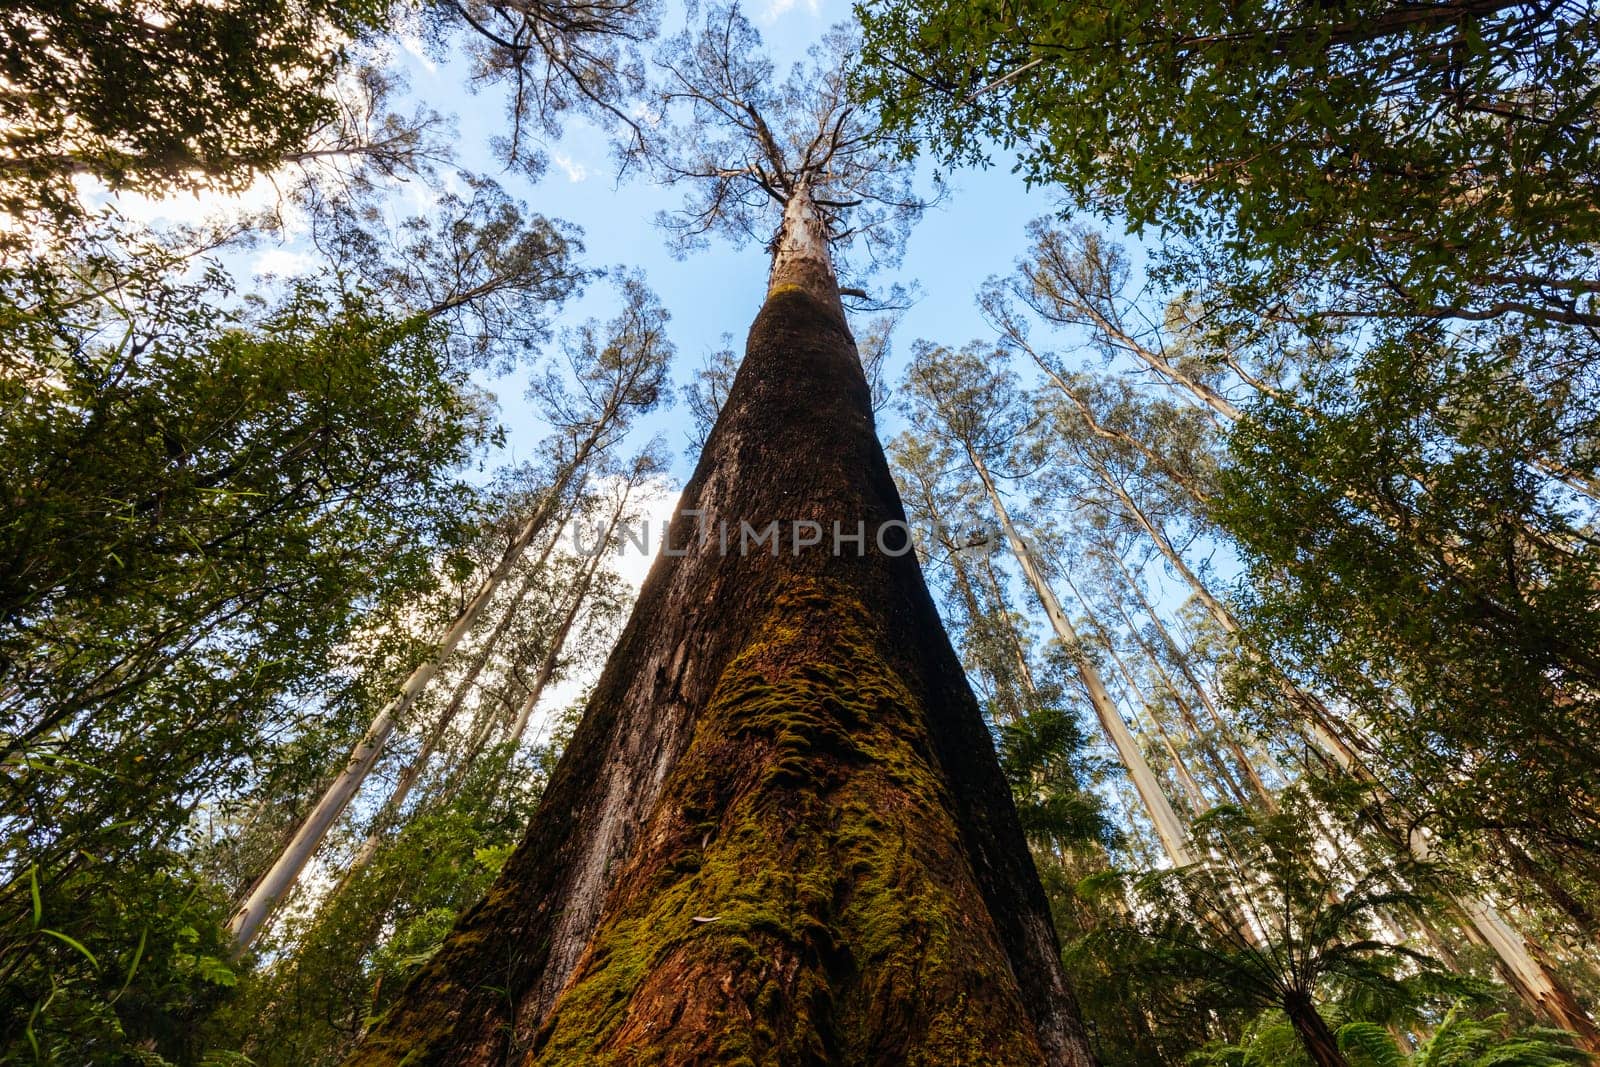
(72, 943)
(1368, 1045)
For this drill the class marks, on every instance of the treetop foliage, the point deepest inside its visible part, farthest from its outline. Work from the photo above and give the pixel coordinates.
(743, 141)
(177, 93)
(1431, 160)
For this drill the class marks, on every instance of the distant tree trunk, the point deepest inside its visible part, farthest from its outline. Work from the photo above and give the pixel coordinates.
(1223, 729)
(576, 598)
(1538, 875)
(1198, 801)
(414, 769)
(780, 833)
(1018, 653)
(1169, 829)
(247, 921)
(1312, 1029)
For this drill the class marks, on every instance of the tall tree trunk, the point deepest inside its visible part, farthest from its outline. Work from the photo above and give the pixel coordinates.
(247, 921)
(1186, 710)
(1223, 729)
(779, 833)
(1003, 700)
(1219, 769)
(576, 597)
(414, 769)
(1524, 964)
(1170, 831)
(1199, 803)
(1018, 653)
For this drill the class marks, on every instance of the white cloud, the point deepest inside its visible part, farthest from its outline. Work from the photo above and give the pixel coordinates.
(414, 47)
(645, 113)
(575, 172)
(776, 9)
(283, 262)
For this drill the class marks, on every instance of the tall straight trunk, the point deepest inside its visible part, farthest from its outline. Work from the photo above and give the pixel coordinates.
(1219, 768)
(779, 833)
(969, 598)
(1213, 759)
(1314, 716)
(1212, 711)
(414, 769)
(1186, 710)
(247, 921)
(1198, 801)
(1524, 965)
(997, 593)
(577, 596)
(1170, 831)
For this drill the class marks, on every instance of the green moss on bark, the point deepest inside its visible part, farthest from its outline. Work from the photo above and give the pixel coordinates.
(801, 895)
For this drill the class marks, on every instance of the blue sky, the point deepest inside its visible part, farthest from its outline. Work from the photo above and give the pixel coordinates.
(975, 232)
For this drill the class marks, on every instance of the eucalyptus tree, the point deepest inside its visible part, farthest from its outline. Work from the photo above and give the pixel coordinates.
(1410, 496)
(477, 261)
(555, 58)
(617, 370)
(963, 397)
(764, 838)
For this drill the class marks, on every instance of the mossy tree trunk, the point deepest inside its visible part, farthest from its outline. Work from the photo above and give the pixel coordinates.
(779, 834)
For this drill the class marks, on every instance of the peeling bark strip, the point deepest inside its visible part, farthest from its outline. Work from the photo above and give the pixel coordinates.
(784, 745)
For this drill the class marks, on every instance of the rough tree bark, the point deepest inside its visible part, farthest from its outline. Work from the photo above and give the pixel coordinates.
(779, 834)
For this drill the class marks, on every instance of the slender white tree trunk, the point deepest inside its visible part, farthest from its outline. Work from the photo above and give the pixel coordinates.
(413, 771)
(1170, 831)
(1212, 712)
(248, 920)
(580, 592)
(1522, 963)
(1198, 800)
(800, 256)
